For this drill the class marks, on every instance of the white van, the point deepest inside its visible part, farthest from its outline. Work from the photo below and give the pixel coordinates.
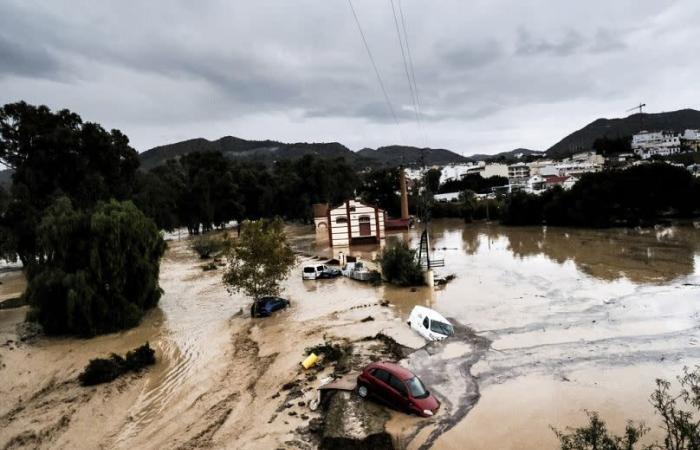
(318, 272)
(430, 324)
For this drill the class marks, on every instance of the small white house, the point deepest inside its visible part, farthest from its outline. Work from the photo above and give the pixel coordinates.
(353, 222)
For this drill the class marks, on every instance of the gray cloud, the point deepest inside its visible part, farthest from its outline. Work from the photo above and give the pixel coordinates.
(298, 70)
(17, 58)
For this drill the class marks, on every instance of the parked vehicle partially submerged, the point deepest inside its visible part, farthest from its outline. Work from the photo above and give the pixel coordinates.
(319, 272)
(265, 306)
(357, 271)
(397, 387)
(430, 324)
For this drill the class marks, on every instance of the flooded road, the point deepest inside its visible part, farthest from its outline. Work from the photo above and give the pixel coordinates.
(576, 319)
(549, 322)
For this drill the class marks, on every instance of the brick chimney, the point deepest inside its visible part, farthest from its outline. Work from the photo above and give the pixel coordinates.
(404, 193)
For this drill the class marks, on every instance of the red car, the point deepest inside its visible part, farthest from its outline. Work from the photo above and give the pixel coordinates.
(398, 387)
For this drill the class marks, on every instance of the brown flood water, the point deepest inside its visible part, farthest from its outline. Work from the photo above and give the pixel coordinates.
(550, 322)
(576, 319)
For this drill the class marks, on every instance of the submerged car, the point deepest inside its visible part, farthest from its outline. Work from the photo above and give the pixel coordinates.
(430, 324)
(397, 387)
(319, 272)
(265, 306)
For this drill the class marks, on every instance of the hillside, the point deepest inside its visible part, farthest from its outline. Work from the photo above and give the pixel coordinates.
(265, 152)
(507, 156)
(268, 151)
(395, 155)
(583, 139)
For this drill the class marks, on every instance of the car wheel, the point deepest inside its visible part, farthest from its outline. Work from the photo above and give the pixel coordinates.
(362, 391)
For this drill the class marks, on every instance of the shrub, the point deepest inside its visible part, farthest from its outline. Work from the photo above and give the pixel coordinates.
(400, 265)
(104, 370)
(206, 246)
(100, 272)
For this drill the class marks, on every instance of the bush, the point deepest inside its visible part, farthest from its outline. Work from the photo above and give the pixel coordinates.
(100, 272)
(400, 265)
(679, 421)
(206, 246)
(104, 370)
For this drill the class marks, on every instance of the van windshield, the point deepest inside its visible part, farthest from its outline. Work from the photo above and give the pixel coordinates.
(416, 387)
(441, 327)
(309, 270)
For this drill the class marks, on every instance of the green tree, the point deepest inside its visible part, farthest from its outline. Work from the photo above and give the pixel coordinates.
(54, 154)
(381, 187)
(259, 260)
(432, 180)
(400, 265)
(100, 272)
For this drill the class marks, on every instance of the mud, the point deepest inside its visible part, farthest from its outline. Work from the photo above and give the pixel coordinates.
(550, 321)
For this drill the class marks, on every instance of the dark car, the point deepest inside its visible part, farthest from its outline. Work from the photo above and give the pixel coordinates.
(265, 306)
(397, 387)
(329, 272)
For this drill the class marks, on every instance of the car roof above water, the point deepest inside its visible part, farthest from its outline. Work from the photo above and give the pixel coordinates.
(431, 313)
(400, 372)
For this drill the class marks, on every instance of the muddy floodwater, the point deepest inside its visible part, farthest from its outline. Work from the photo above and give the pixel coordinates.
(549, 322)
(575, 319)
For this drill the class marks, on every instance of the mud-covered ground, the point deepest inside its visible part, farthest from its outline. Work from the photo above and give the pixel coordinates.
(549, 322)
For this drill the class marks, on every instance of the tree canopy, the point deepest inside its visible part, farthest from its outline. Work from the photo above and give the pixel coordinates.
(100, 272)
(56, 154)
(259, 260)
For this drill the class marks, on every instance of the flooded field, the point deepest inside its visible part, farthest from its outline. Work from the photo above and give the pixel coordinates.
(550, 322)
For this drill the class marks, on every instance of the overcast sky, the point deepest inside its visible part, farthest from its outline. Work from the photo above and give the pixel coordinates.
(492, 75)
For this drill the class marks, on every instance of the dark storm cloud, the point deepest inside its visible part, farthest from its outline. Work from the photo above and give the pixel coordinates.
(18, 58)
(298, 70)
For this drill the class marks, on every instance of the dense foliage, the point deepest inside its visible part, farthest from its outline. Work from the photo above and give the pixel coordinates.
(100, 269)
(630, 197)
(104, 370)
(259, 260)
(206, 190)
(473, 182)
(679, 422)
(56, 154)
(611, 146)
(400, 265)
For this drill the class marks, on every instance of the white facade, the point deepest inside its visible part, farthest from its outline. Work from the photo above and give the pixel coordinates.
(518, 174)
(457, 171)
(446, 197)
(354, 222)
(659, 143)
(495, 170)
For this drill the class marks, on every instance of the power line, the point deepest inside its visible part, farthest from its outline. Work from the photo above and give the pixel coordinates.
(405, 62)
(410, 61)
(374, 64)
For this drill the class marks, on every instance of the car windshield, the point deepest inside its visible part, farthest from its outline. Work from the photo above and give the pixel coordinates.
(416, 387)
(309, 270)
(441, 327)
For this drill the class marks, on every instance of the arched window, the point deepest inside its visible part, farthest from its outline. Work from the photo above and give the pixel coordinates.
(364, 219)
(341, 219)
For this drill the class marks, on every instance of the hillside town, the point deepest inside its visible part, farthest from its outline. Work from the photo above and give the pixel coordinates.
(542, 173)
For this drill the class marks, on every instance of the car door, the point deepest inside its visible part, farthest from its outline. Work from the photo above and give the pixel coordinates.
(399, 394)
(381, 386)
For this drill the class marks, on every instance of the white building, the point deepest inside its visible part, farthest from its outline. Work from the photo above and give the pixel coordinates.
(452, 172)
(518, 174)
(495, 170)
(658, 143)
(447, 197)
(691, 140)
(352, 223)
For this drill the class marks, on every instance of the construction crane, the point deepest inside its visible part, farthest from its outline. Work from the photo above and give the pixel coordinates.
(641, 116)
(639, 107)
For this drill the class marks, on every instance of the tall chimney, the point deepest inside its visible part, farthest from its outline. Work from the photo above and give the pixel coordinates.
(404, 193)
